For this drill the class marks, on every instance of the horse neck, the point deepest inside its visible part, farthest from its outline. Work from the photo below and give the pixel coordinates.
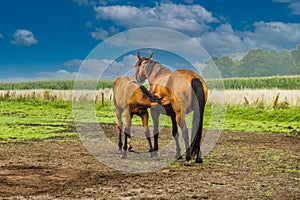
(156, 71)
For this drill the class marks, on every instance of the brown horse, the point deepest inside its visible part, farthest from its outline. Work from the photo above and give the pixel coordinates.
(134, 99)
(182, 91)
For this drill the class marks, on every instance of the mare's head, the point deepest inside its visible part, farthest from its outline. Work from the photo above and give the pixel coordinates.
(140, 74)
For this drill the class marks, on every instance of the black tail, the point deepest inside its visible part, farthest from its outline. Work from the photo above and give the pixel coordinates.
(199, 103)
(147, 93)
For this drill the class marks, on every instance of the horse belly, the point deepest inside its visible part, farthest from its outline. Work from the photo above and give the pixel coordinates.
(138, 110)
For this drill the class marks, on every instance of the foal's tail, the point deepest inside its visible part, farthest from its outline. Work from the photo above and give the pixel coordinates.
(199, 103)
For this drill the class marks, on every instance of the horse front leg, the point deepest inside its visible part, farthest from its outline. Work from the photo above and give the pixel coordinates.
(155, 118)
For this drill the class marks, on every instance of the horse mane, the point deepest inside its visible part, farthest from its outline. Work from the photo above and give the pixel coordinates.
(152, 64)
(147, 93)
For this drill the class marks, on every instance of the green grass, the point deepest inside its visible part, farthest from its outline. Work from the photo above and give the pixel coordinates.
(35, 119)
(267, 119)
(27, 119)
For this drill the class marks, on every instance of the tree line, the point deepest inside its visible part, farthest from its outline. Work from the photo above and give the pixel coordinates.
(258, 63)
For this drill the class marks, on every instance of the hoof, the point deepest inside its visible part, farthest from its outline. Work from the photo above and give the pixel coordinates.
(187, 163)
(124, 155)
(120, 151)
(199, 160)
(153, 154)
(178, 157)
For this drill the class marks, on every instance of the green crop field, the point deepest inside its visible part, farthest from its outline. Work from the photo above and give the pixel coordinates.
(283, 82)
(56, 85)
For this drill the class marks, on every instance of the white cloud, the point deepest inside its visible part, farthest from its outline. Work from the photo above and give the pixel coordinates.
(156, 38)
(109, 68)
(294, 5)
(223, 40)
(90, 70)
(266, 35)
(198, 23)
(273, 35)
(91, 66)
(199, 66)
(58, 75)
(99, 34)
(44, 76)
(23, 37)
(73, 63)
(186, 18)
(195, 21)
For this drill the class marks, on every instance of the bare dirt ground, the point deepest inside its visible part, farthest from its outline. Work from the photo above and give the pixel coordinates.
(241, 166)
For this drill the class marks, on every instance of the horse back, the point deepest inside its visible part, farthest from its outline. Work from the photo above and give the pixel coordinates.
(123, 90)
(128, 93)
(189, 75)
(181, 94)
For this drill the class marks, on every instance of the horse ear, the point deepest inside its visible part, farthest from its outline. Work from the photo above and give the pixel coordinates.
(139, 55)
(150, 55)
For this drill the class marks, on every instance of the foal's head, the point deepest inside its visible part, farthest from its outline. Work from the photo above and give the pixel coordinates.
(140, 74)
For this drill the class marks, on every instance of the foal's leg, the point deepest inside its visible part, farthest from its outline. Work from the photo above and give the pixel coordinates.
(128, 117)
(120, 127)
(145, 117)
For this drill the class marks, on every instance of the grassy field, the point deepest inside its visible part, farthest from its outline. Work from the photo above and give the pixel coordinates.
(36, 110)
(35, 119)
(26, 119)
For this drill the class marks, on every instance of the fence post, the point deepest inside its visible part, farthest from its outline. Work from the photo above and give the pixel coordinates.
(102, 98)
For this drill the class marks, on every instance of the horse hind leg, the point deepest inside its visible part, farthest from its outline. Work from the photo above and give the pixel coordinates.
(120, 127)
(194, 133)
(176, 138)
(199, 104)
(128, 116)
(180, 119)
(155, 119)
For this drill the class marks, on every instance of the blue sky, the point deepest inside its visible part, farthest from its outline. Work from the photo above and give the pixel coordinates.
(49, 39)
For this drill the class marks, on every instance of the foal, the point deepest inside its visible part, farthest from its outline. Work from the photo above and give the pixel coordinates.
(134, 99)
